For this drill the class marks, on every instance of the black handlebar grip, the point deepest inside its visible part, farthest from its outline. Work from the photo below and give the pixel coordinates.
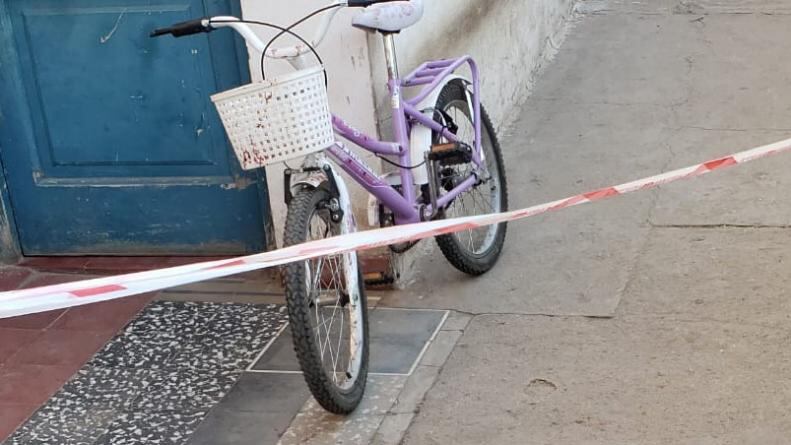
(366, 3)
(159, 32)
(183, 29)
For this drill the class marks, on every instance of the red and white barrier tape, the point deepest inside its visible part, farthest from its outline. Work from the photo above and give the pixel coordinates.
(77, 293)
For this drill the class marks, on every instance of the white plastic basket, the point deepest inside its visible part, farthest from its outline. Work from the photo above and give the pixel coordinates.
(277, 120)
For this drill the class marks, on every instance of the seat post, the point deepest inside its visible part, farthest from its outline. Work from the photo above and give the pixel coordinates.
(390, 55)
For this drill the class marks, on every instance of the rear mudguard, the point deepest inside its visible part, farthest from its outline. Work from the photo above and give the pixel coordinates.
(420, 137)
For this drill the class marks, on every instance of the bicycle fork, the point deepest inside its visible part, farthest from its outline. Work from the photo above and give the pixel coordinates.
(317, 171)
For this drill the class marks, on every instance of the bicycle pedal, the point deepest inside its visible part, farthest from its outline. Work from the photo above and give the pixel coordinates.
(452, 153)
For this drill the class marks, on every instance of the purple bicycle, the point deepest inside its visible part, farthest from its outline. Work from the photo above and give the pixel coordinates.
(447, 160)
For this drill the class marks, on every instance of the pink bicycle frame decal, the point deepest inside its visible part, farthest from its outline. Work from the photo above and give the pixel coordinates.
(406, 204)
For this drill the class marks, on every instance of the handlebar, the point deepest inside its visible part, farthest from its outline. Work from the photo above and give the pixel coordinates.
(205, 25)
(365, 3)
(182, 29)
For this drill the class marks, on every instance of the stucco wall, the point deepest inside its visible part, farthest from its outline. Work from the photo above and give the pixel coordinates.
(345, 53)
(510, 39)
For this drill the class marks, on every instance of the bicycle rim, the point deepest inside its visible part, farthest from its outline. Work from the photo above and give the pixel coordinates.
(333, 291)
(486, 197)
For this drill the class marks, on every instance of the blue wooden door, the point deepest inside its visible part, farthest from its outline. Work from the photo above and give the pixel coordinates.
(108, 138)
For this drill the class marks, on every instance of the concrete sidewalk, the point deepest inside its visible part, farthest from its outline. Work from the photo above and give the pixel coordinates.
(653, 318)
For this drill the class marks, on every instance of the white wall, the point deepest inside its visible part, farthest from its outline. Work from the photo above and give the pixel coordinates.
(509, 39)
(345, 54)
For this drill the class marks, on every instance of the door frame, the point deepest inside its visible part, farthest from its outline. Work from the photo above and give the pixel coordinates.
(10, 248)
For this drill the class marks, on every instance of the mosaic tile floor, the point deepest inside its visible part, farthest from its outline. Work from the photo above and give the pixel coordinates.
(156, 380)
(191, 373)
(40, 352)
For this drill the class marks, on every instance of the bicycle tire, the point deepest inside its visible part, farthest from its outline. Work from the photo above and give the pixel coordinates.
(460, 256)
(304, 303)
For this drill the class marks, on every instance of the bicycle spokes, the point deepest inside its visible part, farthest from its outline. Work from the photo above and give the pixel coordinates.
(329, 300)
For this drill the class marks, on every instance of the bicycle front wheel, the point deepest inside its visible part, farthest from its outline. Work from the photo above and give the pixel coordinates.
(327, 308)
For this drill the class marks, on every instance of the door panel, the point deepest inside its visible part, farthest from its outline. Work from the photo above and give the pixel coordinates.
(108, 137)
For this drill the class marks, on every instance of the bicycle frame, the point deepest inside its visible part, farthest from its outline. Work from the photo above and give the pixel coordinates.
(406, 205)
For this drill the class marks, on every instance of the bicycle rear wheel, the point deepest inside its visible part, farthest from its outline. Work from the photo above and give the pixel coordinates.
(473, 251)
(327, 308)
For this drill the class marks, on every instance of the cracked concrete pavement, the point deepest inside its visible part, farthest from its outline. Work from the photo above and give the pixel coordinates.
(654, 318)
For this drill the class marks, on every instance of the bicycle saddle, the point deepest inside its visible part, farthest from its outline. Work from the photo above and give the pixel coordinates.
(390, 16)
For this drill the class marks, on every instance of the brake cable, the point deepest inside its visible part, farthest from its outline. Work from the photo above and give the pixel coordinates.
(288, 30)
